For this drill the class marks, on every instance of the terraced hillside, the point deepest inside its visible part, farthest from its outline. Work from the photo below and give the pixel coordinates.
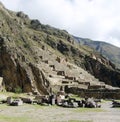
(41, 59)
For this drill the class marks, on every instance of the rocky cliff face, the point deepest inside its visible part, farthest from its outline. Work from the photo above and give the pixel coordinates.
(41, 59)
(17, 72)
(108, 74)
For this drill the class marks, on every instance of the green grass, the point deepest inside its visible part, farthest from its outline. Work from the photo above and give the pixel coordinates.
(89, 110)
(4, 118)
(11, 94)
(3, 106)
(79, 121)
(43, 106)
(76, 97)
(104, 101)
(117, 100)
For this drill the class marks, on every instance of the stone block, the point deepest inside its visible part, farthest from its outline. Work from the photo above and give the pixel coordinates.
(16, 102)
(9, 100)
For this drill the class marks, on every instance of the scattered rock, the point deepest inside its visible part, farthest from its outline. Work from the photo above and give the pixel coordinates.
(16, 102)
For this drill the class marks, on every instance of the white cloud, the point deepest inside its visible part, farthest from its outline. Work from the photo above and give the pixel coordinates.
(95, 19)
(14, 5)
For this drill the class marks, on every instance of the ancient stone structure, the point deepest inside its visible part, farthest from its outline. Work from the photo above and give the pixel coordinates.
(96, 93)
(37, 58)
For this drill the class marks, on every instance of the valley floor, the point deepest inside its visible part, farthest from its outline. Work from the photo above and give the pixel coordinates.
(37, 113)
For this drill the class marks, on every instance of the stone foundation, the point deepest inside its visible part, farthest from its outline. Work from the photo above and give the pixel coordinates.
(100, 94)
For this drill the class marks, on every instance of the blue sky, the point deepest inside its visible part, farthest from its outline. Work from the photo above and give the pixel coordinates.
(95, 19)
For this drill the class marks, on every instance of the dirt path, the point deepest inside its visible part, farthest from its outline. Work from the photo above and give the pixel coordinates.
(36, 113)
(109, 115)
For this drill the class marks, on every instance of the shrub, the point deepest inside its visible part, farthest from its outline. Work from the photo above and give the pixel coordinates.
(18, 90)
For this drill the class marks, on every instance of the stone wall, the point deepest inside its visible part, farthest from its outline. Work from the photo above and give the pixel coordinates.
(101, 94)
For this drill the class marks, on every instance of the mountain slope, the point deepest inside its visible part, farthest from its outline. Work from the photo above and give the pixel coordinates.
(41, 59)
(111, 52)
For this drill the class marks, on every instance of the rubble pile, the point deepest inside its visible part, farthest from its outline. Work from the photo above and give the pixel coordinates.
(60, 99)
(115, 103)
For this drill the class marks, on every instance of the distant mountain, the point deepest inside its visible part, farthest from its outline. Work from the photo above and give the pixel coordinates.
(111, 52)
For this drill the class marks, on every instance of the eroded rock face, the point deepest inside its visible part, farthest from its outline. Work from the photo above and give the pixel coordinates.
(40, 81)
(13, 71)
(17, 73)
(108, 73)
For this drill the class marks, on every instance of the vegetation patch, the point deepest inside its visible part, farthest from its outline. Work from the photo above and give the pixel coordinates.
(3, 106)
(76, 97)
(79, 121)
(13, 119)
(18, 90)
(89, 110)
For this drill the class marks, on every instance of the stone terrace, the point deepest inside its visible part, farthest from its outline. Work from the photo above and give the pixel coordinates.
(60, 72)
